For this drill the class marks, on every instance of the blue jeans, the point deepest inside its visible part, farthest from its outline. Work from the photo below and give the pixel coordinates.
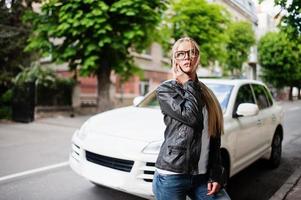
(178, 186)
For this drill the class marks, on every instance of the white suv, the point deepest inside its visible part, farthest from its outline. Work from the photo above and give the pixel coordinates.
(118, 148)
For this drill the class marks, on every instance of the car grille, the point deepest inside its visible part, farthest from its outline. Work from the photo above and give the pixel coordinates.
(149, 172)
(114, 163)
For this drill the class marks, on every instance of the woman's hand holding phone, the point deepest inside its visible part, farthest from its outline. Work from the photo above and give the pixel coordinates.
(179, 75)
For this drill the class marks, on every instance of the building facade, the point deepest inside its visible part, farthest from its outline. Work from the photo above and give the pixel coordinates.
(155, 69)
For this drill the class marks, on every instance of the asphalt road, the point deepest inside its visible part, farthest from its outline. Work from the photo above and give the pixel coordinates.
(34, 165)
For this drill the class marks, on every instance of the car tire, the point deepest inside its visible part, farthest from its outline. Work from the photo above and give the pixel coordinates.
(275, 157)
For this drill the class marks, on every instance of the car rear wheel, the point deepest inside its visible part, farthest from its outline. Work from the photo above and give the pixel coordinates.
(275, 157)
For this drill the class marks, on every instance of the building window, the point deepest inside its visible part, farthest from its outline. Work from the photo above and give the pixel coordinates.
(144, 87)
(250, 4)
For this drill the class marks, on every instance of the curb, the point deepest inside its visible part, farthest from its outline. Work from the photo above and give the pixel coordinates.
(283, 191)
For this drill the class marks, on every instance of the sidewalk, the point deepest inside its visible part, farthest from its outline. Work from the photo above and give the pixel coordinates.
(291, 189)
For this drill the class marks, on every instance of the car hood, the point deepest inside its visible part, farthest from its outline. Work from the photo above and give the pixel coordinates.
(134, 123)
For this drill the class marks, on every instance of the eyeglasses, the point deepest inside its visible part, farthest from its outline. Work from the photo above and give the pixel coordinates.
(181, 55)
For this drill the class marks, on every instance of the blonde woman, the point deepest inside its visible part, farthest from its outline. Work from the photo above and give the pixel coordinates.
(189, 162)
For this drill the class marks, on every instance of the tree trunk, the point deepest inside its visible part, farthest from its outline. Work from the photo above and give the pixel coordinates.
(104, 101)
(290, 97)
(299, 90)
(76, 96)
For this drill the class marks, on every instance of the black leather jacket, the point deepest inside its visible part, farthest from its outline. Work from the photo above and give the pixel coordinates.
(180, 152)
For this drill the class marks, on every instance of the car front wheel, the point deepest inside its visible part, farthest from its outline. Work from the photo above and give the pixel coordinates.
(275, 158)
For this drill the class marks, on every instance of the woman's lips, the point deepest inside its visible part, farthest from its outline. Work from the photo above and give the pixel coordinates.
(187, 64)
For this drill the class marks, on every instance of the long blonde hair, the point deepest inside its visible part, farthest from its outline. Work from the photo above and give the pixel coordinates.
(215, 114)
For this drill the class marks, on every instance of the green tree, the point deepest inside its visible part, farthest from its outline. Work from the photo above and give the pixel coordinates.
(279, 60)
(291, 24)
(241, 38)
(297, 49)
(292, 16)
(13, 36)
(204, 22)
(96, 37)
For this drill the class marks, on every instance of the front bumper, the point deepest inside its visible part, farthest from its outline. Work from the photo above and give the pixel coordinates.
(137, 181)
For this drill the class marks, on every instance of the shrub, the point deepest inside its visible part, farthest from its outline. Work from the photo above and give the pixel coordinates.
(5, 105)
(51, 90)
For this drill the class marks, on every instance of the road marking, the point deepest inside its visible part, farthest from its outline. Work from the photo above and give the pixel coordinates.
(33, 171)
(294, 108)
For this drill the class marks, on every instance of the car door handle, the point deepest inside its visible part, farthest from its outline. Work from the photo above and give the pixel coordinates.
(259, 122)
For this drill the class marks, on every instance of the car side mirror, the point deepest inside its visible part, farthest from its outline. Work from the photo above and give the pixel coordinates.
(247, 109)
(137, 100)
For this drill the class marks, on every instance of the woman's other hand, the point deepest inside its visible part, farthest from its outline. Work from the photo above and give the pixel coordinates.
(213, 187)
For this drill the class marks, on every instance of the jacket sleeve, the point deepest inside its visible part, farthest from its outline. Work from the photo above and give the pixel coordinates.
(180, 103)
(215, 167)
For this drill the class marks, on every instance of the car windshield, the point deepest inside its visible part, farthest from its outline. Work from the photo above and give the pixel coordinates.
(222, 92)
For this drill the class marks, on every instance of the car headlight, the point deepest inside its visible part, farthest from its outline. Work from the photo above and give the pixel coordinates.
(153, 147)
(82, 133)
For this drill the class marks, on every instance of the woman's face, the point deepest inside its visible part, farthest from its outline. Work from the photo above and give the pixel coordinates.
(186, 57)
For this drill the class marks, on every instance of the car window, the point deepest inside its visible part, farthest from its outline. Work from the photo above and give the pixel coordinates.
(244, 95)
(261, 98)
(222, 92)
(269, 96)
